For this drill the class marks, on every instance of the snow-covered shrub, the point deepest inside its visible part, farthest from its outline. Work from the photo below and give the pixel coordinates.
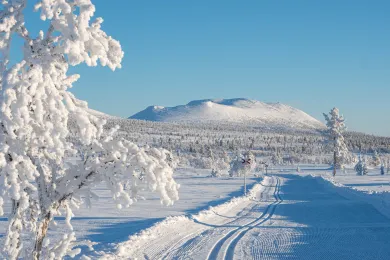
(383, 169)
(376, 160)
(388, 166)
(200, 162)
(259, 170)
(172, 161)
(276, 159)
(215, 173)
(35, 143)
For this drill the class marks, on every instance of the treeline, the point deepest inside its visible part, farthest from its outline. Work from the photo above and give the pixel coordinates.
(287, 143)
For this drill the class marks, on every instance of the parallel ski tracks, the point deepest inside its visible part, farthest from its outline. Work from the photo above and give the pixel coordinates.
(197, 240)
(225, 247)
(219, 242)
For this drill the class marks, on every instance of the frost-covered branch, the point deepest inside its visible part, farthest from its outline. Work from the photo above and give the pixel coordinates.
(46, 169)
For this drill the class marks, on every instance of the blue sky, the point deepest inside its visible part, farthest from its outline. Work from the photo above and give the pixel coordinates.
(310, 54)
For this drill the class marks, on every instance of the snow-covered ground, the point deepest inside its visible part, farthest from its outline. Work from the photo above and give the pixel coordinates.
(291, 216)
(108, 226)
(288, 215)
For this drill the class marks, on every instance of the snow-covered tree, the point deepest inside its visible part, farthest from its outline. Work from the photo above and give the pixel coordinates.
(242, 164)
(213, 162)
(361, 167)
(336, 128)
(35, 142)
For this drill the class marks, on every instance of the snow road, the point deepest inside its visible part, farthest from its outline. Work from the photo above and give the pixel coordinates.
(289, 217)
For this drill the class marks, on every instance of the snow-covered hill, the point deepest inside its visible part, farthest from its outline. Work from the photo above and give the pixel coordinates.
(239, 110)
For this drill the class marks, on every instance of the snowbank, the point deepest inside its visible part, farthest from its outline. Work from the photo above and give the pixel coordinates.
(379, 199)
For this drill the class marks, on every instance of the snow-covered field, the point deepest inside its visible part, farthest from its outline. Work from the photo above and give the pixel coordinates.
(107, 225)
(287, 215)
(291, 215)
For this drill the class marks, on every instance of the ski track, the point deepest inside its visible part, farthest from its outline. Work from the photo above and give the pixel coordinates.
(193, 246)
(292, 217)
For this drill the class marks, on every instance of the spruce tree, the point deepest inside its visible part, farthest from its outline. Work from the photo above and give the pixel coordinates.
(336, 128)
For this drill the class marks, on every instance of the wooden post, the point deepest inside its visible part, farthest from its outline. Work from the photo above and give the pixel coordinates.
(245, 183)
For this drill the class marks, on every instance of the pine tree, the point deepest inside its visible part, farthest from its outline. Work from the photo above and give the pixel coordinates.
(336, 128)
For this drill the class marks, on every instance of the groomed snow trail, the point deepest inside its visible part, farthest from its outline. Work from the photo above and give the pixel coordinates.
(291, 217)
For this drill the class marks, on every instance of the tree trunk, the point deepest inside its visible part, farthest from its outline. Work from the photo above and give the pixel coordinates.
(334, 163)
(14, 227)
(40, 236)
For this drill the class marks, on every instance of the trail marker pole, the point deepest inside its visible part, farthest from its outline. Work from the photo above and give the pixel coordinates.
(245, 183)
(245, 162)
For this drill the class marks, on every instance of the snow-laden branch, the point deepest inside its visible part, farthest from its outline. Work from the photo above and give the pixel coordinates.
(46, 169)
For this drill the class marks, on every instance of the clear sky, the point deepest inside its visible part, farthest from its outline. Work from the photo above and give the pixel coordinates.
(309, 54)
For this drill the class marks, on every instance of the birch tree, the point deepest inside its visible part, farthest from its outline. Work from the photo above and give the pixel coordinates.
(36, 106)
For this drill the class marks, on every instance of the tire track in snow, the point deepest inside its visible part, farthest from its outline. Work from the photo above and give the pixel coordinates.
(235, 235)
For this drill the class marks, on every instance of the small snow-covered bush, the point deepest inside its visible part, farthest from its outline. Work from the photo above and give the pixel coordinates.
(215, 173)
(383, 169)
(375, 160)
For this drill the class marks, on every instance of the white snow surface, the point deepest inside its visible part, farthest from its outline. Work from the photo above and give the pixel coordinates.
(287, 216)
(306, 215)
(238, 110)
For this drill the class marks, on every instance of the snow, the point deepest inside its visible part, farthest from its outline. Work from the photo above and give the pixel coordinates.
(107, 225)
(292, 216)
(309, 218)
(238, 110)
